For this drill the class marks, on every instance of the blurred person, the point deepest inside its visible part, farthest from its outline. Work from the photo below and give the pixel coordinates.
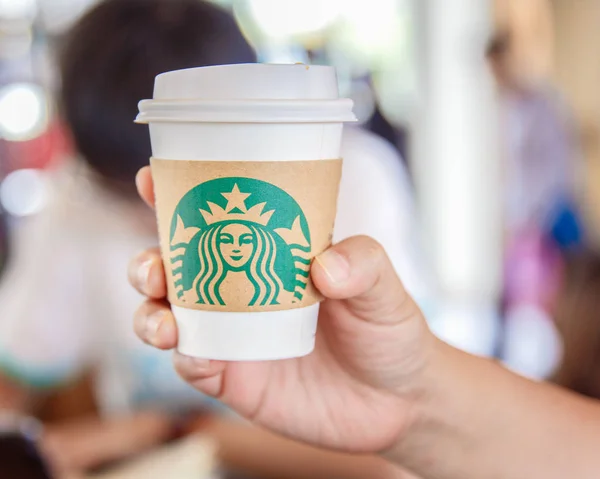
(540, 149)
(64, 301)
(541, 220)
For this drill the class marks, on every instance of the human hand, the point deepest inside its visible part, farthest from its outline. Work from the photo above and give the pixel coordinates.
(355, 392)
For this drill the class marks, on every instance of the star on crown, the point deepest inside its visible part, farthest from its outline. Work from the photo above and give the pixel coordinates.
(236, 209)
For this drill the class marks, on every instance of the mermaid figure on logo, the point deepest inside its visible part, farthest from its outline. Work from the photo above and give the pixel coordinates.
(230, 251)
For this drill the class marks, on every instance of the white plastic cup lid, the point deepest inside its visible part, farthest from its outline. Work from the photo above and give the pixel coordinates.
(247, 93)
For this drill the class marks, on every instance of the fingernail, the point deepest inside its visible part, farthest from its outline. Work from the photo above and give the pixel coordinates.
(335, 266)
(153, 325)
(143, 274)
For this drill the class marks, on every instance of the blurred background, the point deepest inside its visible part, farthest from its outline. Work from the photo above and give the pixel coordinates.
(492, 110)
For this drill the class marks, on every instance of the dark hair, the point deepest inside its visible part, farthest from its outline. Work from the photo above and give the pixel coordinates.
(109, 62)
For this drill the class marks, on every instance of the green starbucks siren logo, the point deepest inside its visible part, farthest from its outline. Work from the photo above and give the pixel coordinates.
(239, 241)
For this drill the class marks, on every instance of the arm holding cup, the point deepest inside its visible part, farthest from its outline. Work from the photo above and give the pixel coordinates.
(380, 382)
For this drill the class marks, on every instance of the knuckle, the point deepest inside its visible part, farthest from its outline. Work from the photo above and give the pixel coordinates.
(373, 251)
(377, 253)
(370, 245)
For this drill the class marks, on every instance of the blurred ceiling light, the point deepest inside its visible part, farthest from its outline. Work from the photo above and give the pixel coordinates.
(282, 19)
(17, 9)
(23, 111)
(24, 192)
(374, 28)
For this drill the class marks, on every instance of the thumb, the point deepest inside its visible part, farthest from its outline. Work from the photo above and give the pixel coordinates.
(359, 271)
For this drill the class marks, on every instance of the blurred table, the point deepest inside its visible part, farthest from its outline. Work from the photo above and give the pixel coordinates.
(194, 457)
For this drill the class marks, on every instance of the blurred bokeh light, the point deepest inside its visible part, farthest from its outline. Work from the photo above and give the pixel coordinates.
(23, 111)
(24, 192)
(17, 9)
(279, 19)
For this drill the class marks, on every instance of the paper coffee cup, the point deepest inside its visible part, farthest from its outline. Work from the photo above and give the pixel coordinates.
(246, 166)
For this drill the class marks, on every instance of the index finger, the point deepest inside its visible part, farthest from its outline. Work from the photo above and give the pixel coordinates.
(145, 186)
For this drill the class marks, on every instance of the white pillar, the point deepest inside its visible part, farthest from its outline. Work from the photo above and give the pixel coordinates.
(456, 166)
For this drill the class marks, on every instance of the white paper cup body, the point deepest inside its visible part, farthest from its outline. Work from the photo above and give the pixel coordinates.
(246, 336)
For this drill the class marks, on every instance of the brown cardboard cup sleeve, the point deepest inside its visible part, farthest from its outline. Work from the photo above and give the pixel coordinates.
(240, 236)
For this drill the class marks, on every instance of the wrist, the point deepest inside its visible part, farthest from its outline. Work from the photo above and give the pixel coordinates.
(456, 417)
(433, 411)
